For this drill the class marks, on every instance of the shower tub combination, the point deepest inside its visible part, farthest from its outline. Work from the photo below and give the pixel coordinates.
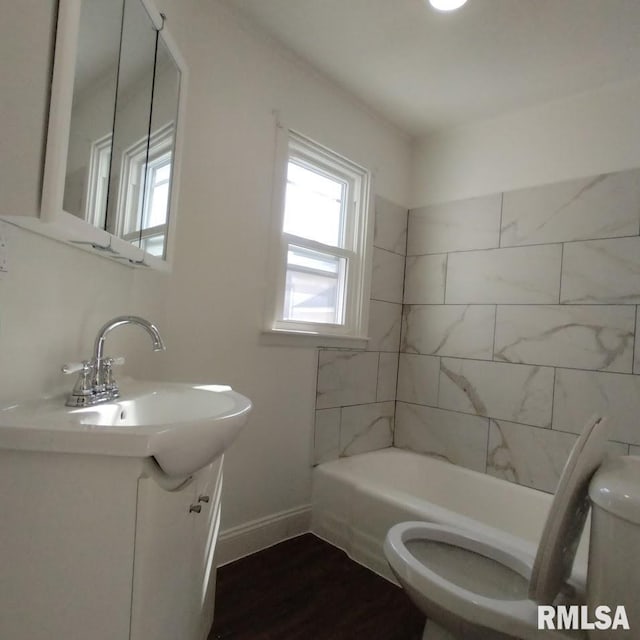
(356, 500)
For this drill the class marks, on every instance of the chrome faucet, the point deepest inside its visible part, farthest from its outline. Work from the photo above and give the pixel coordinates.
(96, 383)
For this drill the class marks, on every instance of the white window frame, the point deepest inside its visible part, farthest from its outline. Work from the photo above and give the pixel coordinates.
(98, 182)
(358, 237)
(132, 189)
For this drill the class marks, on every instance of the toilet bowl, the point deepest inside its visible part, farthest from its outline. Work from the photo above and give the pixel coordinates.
(475, 586)
(481, 588)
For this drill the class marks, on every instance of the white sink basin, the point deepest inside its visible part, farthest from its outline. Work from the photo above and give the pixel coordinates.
(183, 426)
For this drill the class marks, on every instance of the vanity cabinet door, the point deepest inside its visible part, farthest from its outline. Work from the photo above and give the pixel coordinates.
(209, 490)
(162, 603)
(173, 575)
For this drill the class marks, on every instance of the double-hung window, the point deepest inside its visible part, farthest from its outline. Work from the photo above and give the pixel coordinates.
(323, 242)
(145, 181)
(145, 191)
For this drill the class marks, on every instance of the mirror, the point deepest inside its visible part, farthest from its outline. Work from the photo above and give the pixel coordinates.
(121, 142)
(131, 122)
(94, 98)
(144, 149)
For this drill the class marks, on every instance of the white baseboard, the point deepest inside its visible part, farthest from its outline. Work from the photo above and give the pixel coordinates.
(253, 536)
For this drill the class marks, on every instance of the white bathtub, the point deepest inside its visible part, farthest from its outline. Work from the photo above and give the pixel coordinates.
(356, 500)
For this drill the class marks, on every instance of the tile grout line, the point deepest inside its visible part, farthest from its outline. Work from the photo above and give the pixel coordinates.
(500, 228)
(475, 415)
(519, 304)
(446, 277)
(402, 308)
(635, 338)
(395, 253)
(561, 270)
(553, 396)
(518, 364)
(495, 329)
(315, 404)
(524, 246)
(526, 364)
(357, 404)
(497, 419)
(486, 456)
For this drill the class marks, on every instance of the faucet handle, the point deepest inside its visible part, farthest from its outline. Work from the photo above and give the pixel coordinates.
(74, 367)
(109, 382)
(82, 390)
(114, 362)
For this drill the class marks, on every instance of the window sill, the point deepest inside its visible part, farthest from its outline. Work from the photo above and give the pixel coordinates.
(273, 337)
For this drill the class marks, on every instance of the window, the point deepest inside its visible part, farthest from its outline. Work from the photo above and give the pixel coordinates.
(322, 242)
(144, 206)
(145, 189)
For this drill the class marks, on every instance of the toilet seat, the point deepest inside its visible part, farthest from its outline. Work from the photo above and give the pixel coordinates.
(514, 617)
(468, 605)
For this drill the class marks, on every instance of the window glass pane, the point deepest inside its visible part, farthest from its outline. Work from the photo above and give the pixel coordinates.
(154, 245)
(314, 205)
(314, 286)
(308, 259)
(163, 173)
(100, 188)
(158, 205)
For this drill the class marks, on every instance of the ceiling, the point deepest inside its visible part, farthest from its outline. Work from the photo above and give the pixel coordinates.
(426, 70)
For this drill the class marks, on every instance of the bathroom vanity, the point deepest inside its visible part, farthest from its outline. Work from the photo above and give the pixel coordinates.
(105, 548)
(110, 513)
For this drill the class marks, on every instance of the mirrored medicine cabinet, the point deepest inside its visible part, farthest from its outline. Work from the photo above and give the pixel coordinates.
(112, 159)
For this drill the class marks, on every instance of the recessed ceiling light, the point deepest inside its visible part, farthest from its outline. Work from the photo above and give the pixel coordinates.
(446, 5)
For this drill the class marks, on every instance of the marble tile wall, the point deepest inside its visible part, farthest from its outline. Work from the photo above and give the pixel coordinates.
(356, 390)
(520, 320)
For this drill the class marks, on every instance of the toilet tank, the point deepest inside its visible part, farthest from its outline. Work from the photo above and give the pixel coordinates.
(614, 549)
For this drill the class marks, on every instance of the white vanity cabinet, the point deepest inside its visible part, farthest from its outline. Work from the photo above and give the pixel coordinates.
(105, 547)
(205, 538)
(175, 537)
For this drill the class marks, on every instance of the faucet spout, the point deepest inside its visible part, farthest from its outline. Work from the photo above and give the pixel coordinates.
(96, 383)
(149, 327)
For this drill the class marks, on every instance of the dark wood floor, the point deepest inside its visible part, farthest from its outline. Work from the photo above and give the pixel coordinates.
(305, 588)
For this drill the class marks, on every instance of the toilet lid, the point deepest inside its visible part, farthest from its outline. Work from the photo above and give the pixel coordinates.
(565, 522)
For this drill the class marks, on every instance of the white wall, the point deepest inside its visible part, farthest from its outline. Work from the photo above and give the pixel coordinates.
(216, 294)
(588, 134)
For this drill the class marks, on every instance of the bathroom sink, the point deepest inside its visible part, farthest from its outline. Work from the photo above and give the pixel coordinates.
(182, 426)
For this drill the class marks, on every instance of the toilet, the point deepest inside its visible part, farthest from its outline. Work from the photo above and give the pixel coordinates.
(473, 587)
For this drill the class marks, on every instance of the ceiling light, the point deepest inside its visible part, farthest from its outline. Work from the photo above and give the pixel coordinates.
(446, 5)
